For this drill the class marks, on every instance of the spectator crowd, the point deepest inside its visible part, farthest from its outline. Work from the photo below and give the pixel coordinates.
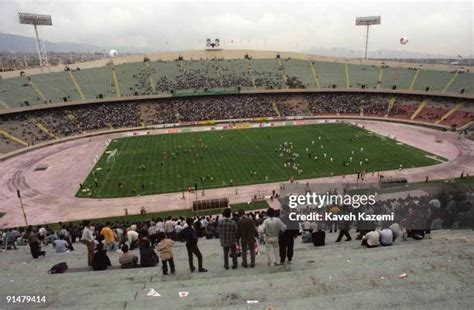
(244, 234)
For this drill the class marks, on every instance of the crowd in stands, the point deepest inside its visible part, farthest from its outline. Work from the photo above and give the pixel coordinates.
(348, 103)
(243, 234)
(20, 125)
(74, 120)
(217, 108)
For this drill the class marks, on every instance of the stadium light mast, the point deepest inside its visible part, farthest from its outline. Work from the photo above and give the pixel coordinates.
(37, 20)
(367, 21)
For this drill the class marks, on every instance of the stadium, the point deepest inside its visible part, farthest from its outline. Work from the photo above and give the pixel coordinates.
(165, 136)
(73, 116)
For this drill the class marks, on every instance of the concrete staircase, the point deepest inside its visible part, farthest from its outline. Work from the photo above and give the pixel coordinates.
(339, 275)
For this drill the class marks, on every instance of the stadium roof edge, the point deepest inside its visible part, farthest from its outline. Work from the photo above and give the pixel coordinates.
(226, 54)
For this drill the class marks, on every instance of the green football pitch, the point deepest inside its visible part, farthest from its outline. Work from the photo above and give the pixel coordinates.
(154, 164)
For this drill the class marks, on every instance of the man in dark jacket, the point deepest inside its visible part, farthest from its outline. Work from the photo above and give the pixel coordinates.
(189, 234)
(100, 260)
(247, 235)
(148, 257)
(227, 229)
(286, 242)
(344, 226)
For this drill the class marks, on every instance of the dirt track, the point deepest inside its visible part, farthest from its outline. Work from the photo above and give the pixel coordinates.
(48, 195)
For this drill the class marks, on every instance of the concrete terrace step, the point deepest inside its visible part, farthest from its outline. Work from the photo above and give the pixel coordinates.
(438, 269)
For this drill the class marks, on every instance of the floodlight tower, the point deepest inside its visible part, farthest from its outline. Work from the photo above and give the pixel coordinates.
(37, 20)
(367, 21)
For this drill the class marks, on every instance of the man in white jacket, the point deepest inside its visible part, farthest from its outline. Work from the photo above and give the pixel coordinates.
(272, 226)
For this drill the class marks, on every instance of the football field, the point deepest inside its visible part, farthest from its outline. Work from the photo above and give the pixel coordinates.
(153, 164)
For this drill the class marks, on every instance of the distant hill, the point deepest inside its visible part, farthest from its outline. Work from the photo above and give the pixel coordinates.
(16, 43)
(22, 44)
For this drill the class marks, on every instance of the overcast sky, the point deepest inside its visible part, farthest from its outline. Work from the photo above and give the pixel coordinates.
(435, 27)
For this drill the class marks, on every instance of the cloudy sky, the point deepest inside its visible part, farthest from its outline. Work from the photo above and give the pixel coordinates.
(436, 27)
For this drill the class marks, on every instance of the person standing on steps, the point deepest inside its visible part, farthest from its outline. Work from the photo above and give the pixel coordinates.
(189, 234)
(227, 230)
(247, 235)
(272, 227)
(88, 239)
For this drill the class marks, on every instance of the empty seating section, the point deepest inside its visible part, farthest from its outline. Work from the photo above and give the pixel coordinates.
(434, 110)
(17, 92)
(266, 73)
(301, 70)
(463, 81)
(56, 87)
(462, 116)
(362, 76)
(95, 82)
(397, 77)
(331, 74)
(435, 80)
(131, 80)
(405, 106)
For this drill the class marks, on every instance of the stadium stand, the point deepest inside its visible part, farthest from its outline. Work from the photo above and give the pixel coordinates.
(235, 73)
(331, 74)
(21, 129)
(95, 82)
(463, 81)
(128, 77)
(462, 115)
(56, 86)
(166, 75)
(362, 76)
(301, 70)
(351, 104)
(267, 74)
(436, 108)
(433, 80)
(17, 92)
(404, 109)
(148, 78)
(398, 77)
